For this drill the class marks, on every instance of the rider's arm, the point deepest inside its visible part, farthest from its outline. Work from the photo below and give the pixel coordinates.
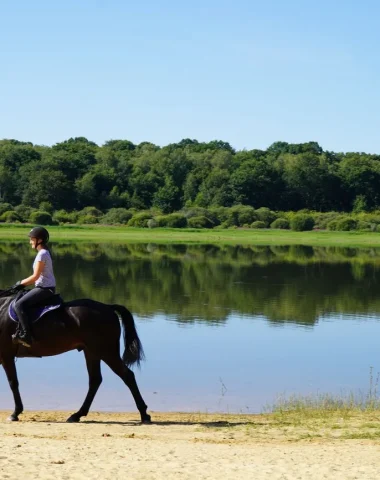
(38, 269)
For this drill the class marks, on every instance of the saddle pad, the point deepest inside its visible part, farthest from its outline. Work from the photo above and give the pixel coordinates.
(34, 313)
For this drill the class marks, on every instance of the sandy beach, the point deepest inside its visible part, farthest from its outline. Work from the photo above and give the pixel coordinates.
(183, 446)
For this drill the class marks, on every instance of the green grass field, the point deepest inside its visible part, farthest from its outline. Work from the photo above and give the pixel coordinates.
(103, 234)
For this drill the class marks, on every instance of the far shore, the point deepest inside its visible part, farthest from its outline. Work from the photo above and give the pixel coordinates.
(122, 234)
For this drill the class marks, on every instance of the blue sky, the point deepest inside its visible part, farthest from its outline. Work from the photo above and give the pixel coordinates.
(244, 71)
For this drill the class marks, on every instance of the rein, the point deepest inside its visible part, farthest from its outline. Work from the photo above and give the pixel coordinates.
(7, 293)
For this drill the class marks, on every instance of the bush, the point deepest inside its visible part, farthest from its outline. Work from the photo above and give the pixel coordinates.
(265, 215)
(362, 225)
(46, 207)
(173, 220)
(240, 215)
(302, 222)
(218, 214)
(194, 212)
(41, 218)
(61, 216)
(281, 223)
(332, 225)
(24, 212)
(140, 220)
(258, 224)
(152, 223)
(200, 222)
(88, 219)
(5, 207)
(322, 219)
(346, 224)
(10, 217)
(116, 215)
(211, 214)
(90, 211)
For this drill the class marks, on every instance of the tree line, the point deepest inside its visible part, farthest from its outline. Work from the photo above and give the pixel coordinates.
(78, 173)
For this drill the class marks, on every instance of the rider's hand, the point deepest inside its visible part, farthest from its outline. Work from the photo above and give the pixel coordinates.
(18, 286)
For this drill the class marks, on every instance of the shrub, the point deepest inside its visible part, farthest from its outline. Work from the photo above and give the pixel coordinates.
(346, 224)
(200, 222)
(239, 215)
(61, 216)
(10, 216)
(281, 223)
(46, 207)
(152, 223)
(90, 211)
(5, 207)
(258, 224)
(41, 218)
(362, 225)
(332, 225)
(211, 214)
(194, 212)
(24, 212)
(173, 220)
(218, 214)
(265, 215)
(322, 219)
(116, 215)
(302, 222)
(140, 220)
(88, 219)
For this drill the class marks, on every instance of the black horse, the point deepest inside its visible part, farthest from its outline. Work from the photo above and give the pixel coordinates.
(86, 325)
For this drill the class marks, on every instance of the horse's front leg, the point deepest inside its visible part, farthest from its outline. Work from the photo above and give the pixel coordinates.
(95, 379)
(11, 372)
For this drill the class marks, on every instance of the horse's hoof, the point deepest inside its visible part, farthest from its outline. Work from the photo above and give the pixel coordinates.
(11, 418)
(73, 419)
(146, 420)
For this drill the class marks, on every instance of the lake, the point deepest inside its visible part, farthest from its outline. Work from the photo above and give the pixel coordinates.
(224, 328)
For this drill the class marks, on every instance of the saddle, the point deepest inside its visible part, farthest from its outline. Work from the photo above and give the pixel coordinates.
(37, 311)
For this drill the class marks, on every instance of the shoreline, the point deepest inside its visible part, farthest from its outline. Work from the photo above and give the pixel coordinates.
(122, 235)
(188, 446)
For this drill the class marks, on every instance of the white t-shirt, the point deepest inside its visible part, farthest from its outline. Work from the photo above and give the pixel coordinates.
(46, 279)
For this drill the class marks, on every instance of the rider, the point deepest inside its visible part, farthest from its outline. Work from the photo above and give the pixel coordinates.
(43, 279)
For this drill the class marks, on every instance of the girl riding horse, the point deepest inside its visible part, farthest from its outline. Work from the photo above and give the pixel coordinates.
(44, 282)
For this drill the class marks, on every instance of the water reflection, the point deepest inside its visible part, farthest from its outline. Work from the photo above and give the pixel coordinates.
(323, 301)
(207, 283)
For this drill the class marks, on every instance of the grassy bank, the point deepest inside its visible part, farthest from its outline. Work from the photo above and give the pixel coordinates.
(214, 428)
(95, 233)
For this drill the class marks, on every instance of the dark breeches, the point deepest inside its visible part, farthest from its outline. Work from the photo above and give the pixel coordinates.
(33, 297)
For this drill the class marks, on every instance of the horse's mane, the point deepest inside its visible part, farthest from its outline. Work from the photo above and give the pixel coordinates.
(6, 293)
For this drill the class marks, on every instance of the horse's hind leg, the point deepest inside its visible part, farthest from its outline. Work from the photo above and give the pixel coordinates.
(11, 372)
(116, 365)
(95, 379)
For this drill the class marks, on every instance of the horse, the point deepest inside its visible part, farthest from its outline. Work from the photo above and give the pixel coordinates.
(86, 325)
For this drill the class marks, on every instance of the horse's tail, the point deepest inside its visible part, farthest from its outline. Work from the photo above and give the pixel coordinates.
(133, 352)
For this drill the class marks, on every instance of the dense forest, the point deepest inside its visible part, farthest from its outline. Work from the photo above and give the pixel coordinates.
(77, 173)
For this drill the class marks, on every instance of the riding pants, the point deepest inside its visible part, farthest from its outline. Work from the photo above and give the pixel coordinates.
(32, 298)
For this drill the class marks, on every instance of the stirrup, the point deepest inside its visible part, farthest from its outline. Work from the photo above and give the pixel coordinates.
(22, 340)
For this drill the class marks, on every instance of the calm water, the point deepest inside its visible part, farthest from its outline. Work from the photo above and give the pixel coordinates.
(224, 328)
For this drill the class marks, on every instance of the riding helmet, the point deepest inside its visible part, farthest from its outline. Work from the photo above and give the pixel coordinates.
(40, 233)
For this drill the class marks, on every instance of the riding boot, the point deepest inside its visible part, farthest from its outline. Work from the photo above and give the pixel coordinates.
(23, 334)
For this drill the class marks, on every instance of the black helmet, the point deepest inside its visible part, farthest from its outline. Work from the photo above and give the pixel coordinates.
(40, 233)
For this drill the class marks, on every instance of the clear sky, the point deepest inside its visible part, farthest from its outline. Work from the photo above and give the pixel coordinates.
(244, 71)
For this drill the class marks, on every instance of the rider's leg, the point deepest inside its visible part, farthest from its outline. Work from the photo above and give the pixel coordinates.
(31, 298)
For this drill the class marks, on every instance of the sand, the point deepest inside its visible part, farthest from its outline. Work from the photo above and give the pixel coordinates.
(179, 446)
